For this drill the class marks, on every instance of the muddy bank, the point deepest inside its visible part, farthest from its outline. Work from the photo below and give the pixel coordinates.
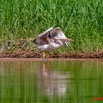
(37, 54)
(25, 48)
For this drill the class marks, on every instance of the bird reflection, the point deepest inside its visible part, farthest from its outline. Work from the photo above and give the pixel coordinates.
(54, 82)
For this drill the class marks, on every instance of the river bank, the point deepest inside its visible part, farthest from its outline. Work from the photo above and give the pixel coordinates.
(37, 54)
(25, 48)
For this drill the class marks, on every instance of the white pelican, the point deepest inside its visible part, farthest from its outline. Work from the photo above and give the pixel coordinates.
(51, 39)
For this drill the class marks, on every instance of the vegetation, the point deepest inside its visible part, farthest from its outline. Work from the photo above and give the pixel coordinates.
(80, 20)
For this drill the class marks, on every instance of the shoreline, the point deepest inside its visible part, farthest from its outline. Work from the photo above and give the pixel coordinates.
(22, 49)
(63, 55)
(46, 59)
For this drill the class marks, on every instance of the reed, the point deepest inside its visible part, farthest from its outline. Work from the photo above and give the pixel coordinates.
(80, 20)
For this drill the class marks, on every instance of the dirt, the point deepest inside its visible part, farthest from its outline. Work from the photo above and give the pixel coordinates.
(37, 54)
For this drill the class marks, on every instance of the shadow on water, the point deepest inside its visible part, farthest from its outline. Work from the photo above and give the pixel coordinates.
(51, 81)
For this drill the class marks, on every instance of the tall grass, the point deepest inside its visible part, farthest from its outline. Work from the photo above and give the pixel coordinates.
(81, 20)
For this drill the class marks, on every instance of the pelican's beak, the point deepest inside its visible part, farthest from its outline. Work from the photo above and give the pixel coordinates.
(66, 40)
(69, 40)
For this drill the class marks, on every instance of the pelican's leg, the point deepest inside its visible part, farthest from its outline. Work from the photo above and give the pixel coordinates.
(43, 55)
(47, 55)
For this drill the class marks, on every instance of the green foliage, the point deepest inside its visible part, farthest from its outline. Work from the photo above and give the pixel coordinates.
(80, 20)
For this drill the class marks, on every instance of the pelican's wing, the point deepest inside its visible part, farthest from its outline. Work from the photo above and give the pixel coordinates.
(44, 34)
(57, 33)
(42, 38)
(40, 41)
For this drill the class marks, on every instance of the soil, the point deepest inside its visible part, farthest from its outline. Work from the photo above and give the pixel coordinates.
(37, 54)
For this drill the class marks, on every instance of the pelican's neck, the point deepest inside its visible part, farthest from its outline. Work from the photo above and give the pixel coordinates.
(50, 40)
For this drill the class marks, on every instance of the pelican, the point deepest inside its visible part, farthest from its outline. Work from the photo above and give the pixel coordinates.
(51, 39)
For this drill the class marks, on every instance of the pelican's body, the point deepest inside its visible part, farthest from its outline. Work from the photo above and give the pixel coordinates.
(50, 46)
(51, 39)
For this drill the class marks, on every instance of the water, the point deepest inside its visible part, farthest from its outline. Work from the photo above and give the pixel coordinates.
(73, 81)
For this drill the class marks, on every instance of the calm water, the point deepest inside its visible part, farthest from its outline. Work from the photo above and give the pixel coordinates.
(51, 81)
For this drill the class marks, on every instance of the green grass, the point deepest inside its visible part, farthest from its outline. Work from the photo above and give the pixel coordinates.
(80, 20)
